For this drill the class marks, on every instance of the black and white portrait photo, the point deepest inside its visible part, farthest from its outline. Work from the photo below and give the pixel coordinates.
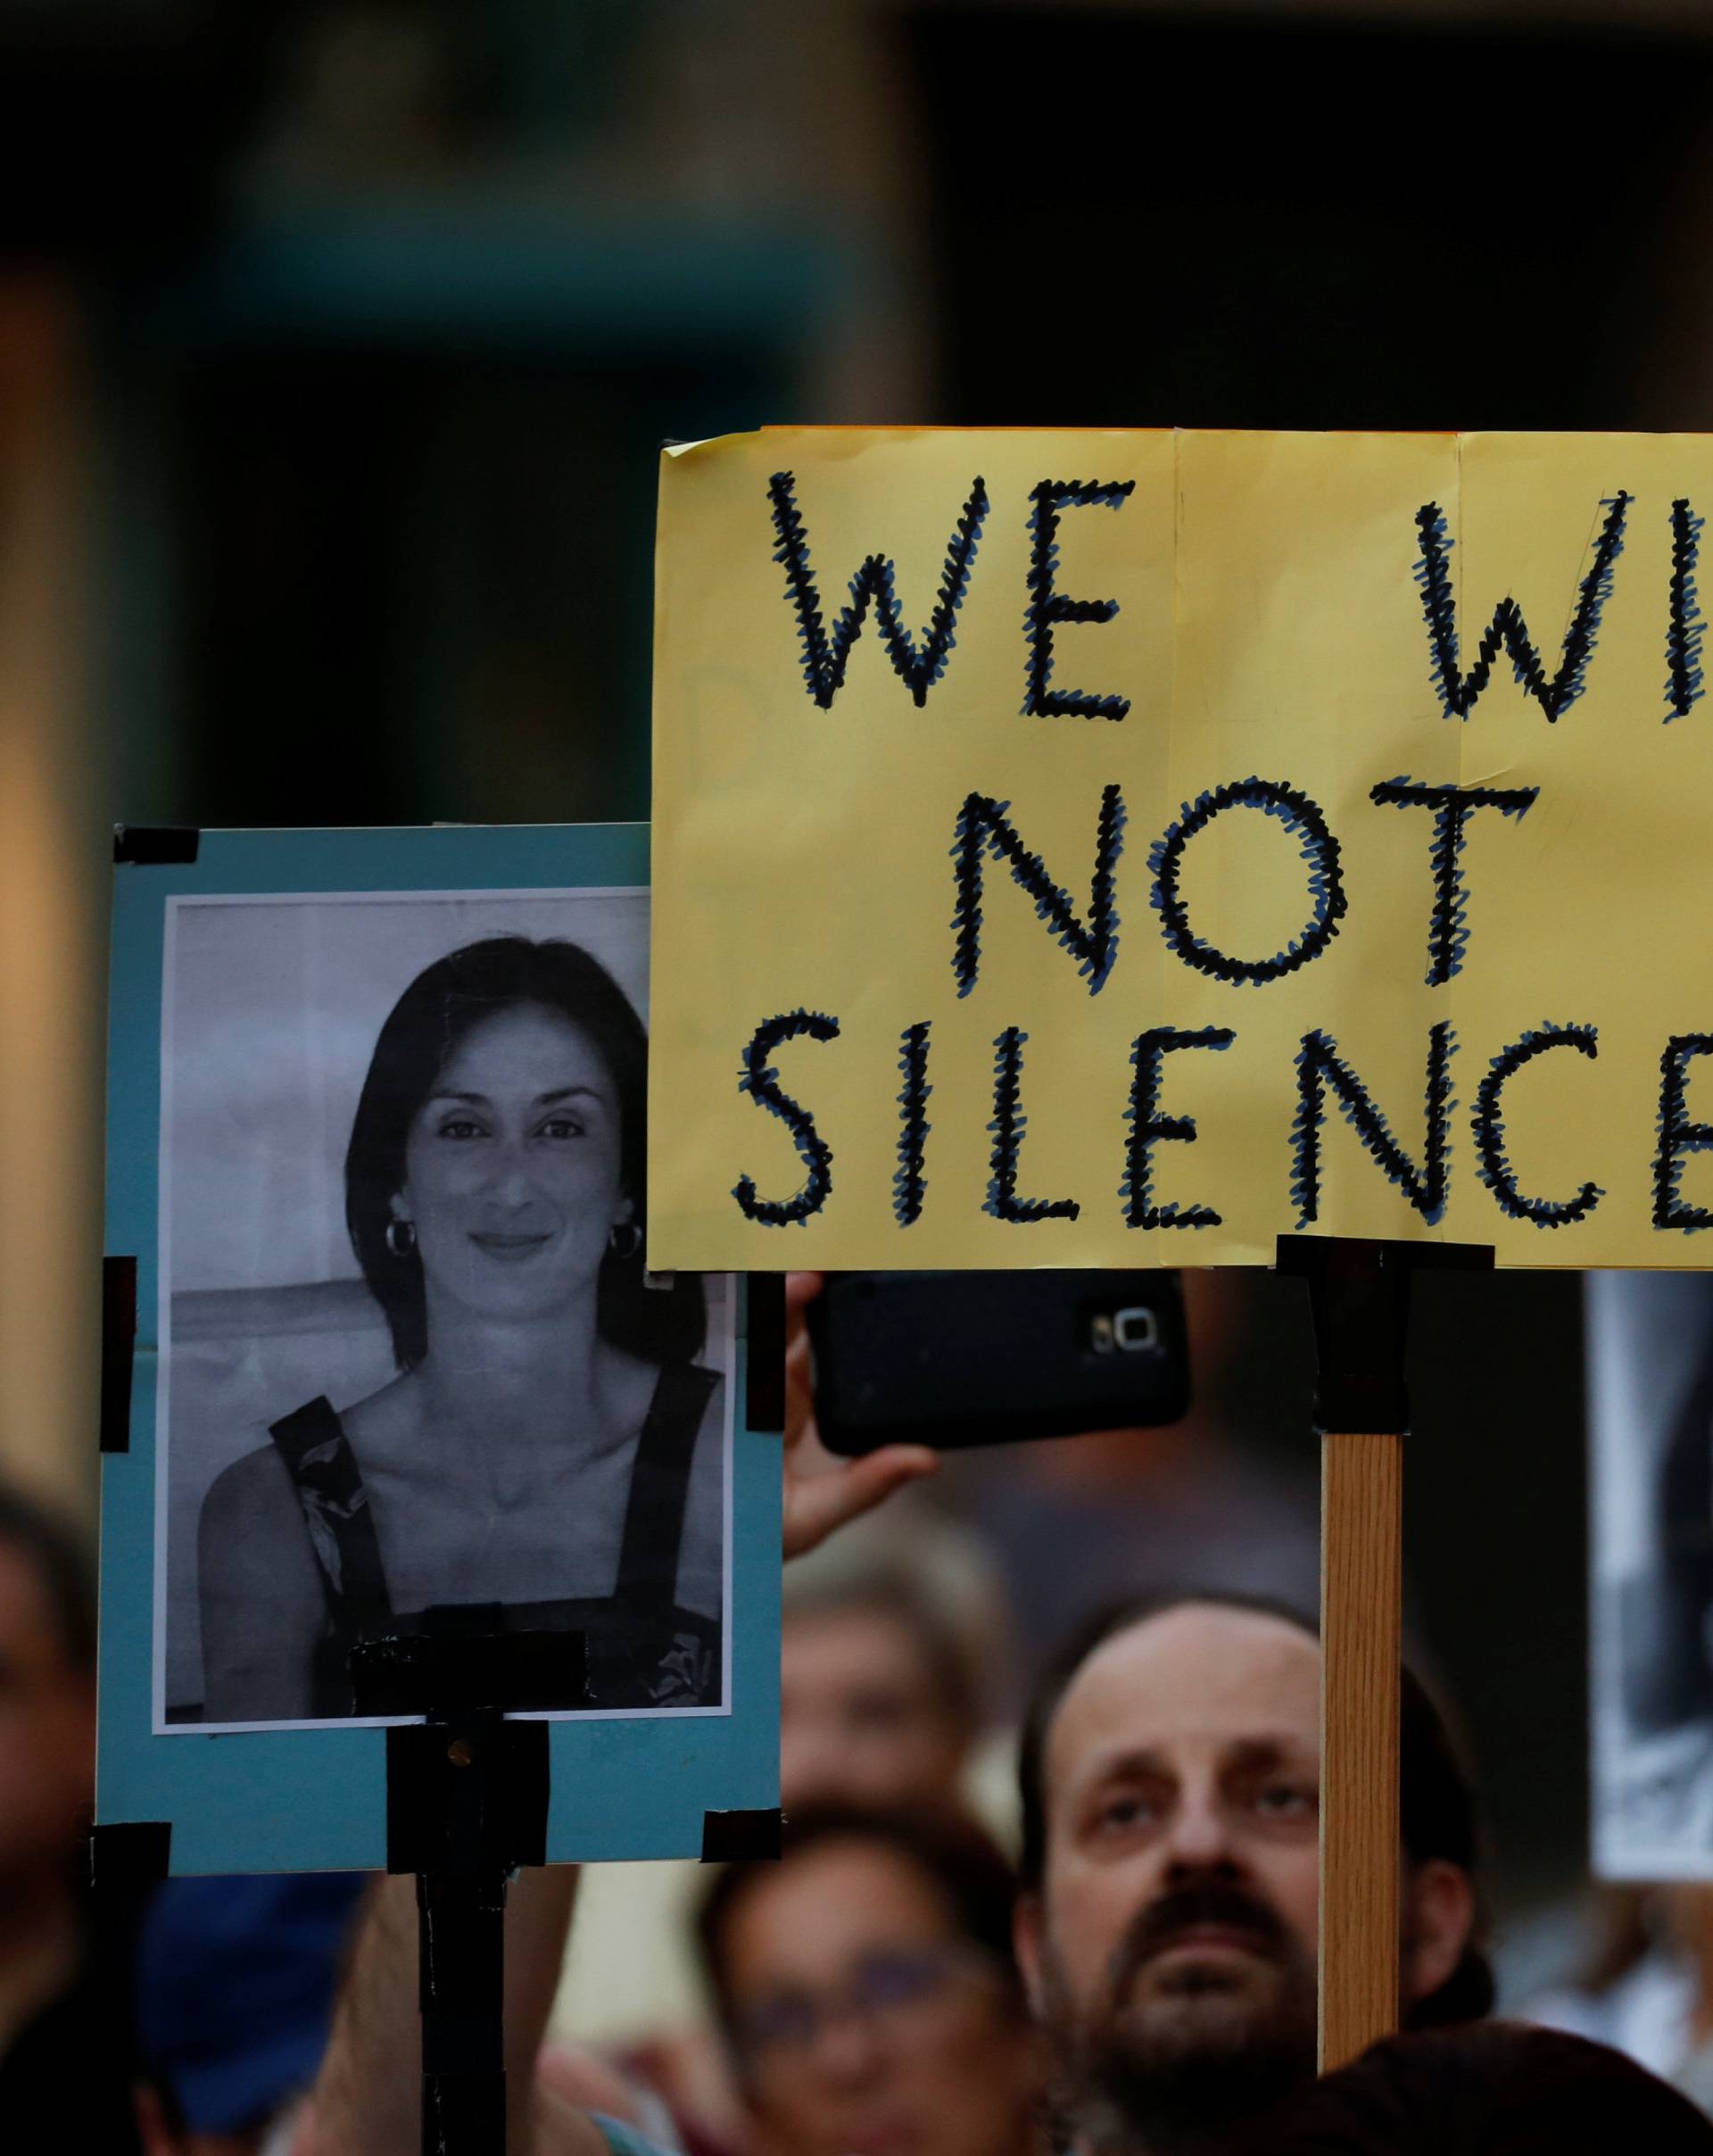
(1650, 1489)
(413, 1371)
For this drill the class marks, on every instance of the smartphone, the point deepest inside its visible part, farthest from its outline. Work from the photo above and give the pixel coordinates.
(952, 1359)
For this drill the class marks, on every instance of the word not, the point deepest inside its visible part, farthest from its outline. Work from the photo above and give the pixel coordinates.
(984, 829)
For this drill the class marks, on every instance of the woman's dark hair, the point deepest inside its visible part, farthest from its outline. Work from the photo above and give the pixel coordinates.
(951, 1853)
(1436, 1802)
(422, 1032)
(1494, 2090)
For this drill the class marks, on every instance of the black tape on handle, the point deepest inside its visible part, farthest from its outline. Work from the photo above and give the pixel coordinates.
(118, 1349)
(155, 845)
(1359, 1299)
(129, 1856)
(743, 1838)
(765, 1365)
(128, 1861)
(468, 1794)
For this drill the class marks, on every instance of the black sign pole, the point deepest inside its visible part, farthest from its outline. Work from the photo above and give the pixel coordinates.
(466, 1794)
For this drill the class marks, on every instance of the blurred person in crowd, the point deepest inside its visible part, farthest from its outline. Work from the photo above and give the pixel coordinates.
(878, 1701)
(235, 1987)
(1647, 1987)
(1167, 1929)
(576, 2076)
(1495, 2090)
(866, 1990)
(1613, 1977)
(60, 2057)
(884, 1640)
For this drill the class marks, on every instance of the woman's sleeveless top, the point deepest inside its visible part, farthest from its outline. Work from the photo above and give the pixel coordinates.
(641, 1647)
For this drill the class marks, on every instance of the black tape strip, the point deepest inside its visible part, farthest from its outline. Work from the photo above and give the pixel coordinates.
(743, 1838)
(478, 1667)
(155, 845)
(468, 1794)
(1307, 1255)
(1455, 1257)
(764, 1396)
(527, 1786)
(118, 1347)
(1358, 1299)
(129, 1860)
(129, 1856)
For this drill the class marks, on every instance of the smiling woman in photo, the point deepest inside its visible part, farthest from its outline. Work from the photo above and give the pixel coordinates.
(549, 1444)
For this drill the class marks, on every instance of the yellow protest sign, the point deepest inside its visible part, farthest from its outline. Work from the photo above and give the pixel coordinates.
(1125, 847)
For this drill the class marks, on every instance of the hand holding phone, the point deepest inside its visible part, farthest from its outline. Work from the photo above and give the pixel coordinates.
(823, 1491)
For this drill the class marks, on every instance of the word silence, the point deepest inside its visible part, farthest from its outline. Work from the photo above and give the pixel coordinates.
(1264, 834)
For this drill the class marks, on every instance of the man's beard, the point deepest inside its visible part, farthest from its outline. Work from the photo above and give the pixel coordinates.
(1181, 2071)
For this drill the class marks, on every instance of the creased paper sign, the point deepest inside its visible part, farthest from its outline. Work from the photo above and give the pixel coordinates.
(1105, 847)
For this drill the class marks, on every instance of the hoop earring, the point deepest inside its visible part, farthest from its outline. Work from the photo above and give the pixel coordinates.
(625, 1241)
(401, 1237)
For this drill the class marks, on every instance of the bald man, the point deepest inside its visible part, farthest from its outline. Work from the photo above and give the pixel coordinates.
(1171, 1869)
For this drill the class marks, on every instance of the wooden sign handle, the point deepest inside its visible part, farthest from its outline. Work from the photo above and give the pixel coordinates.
(1361, 1623)
(1359, 1297)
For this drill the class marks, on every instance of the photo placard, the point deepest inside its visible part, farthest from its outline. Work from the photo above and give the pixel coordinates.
(1650, 1349)
(377, 1146)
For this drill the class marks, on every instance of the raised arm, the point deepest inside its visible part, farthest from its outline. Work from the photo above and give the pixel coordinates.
(368, 2097)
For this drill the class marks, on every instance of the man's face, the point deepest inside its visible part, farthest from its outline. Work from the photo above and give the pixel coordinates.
(862, 1719)
(1171, 1950)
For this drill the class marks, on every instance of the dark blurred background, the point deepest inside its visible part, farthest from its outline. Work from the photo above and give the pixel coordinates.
(336, 342)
